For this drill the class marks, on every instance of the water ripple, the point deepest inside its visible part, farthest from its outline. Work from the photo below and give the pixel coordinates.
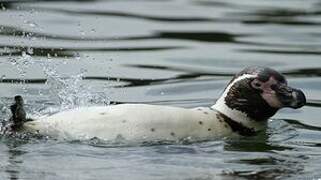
(62, 54)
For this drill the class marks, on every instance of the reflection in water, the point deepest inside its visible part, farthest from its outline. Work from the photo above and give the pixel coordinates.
(14, 159)
(45, 52)
(306, 52)
(197, 36)
(126, 15)
(302, 125)
(273, 164)
(132, 82)
(69, 52)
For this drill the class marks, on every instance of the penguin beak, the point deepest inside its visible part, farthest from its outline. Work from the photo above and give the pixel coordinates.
(290, 97)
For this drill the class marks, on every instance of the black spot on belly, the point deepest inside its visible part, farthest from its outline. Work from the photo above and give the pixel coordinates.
(172, 134)
(124, 121)
(205, 112)
(152, 129)
(200, 122)
(103, 113)
(225, 125)
(209, 129)
(220, 118)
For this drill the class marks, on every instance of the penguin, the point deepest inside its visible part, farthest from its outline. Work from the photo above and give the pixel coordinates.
(253, 96)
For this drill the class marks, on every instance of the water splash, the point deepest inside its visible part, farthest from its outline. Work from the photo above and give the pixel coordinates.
(4, 116)
(77, 56)
(69, 92)
(64, 92)
(31, 23)
(22, 64)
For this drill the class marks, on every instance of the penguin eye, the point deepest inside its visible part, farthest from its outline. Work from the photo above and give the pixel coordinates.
(274, 87)
(256, 84)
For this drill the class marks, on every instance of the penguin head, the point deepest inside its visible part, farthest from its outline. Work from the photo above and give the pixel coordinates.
(259, 92)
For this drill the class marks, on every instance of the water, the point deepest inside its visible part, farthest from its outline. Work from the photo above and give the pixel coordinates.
(62, 54)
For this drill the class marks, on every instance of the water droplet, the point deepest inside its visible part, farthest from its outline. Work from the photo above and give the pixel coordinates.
(40, 93)
(83, 34)
(32, 11)
(13, 61)
(77, 56)
(32, 38)
(93, 30)
(30, 50)
(30, 23)
(25, 56)
(83, 71)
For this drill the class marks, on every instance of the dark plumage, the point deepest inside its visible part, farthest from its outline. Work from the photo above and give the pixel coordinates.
(249, 95)
(18, 113)
(248, 100)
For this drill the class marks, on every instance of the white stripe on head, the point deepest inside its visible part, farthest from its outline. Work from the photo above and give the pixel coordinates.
(234, 114)
(227, 89)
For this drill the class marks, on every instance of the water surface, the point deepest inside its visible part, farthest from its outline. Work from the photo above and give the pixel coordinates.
(64, 54)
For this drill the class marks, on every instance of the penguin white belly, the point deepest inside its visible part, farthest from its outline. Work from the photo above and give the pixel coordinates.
(133, 123)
